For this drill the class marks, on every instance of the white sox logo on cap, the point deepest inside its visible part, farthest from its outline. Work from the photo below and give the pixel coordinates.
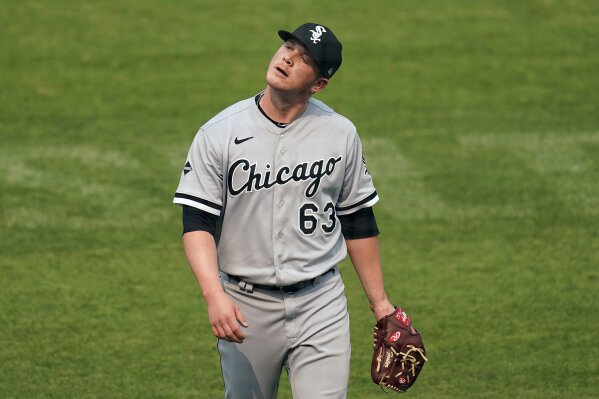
(317, 33)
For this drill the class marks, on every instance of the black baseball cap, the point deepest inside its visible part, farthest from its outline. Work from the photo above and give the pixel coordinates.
(321, 43)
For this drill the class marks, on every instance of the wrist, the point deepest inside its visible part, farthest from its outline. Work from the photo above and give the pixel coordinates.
(382, 309)
(213, 294)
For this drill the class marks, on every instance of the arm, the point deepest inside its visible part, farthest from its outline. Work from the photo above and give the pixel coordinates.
(364, 254)
(223, 314)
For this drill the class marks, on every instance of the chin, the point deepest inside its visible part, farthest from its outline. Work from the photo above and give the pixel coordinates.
(276, 83)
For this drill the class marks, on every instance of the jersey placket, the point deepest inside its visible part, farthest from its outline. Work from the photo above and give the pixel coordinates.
(280, 212)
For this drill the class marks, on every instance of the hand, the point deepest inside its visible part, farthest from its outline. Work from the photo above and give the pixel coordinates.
(225, 319)
(382, 309)
(385, 310)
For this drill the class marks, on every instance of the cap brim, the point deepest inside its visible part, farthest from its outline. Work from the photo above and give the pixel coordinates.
(285, 35)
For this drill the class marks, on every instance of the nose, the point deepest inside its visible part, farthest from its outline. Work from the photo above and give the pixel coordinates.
(290, 56)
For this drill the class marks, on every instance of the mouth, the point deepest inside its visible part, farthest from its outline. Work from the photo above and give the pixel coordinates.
(282, 72)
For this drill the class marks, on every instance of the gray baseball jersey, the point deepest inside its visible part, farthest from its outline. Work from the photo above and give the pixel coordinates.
(277, 190)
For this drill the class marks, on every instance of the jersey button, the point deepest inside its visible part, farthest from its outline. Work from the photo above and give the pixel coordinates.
(283, 153)
(282, 135)
(281, 203)
(281, 235)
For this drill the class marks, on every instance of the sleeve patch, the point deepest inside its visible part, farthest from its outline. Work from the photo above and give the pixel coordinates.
(187, 168)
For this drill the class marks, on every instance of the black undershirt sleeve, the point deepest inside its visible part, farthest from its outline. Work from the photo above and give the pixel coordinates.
(360, 224)
(195, 220)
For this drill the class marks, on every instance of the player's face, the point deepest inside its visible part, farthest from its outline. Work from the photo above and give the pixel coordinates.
(293, 69)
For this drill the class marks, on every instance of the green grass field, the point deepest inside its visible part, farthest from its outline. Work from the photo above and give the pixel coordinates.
(480, 125)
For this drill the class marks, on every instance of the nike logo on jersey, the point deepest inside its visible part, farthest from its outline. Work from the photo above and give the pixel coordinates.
(244, 177)
(239, 141)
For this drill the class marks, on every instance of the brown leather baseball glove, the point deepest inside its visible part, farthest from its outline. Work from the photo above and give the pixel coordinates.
(399, 353)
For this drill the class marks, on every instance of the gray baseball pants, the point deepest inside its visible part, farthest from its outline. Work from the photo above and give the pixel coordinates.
(306, 332)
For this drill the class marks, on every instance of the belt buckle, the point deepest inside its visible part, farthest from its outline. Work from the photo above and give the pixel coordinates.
(303, 284)
(290, 289)
(287, 289)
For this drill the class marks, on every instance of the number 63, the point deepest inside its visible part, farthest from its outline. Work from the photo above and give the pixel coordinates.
(308, 220)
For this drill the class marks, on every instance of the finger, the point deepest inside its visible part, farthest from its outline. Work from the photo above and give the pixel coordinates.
(231, 334)
(220, 332)
(236, 331)
(240, 318)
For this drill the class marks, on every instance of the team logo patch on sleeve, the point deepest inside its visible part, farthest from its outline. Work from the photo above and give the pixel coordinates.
(366, 172)
(187, 168)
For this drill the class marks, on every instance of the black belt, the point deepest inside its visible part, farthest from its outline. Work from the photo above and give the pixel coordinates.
(286, 289)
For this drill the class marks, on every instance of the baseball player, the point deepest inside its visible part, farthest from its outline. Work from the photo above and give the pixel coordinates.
(275, 193)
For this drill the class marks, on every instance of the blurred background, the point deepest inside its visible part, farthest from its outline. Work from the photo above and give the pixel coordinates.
(480, 126)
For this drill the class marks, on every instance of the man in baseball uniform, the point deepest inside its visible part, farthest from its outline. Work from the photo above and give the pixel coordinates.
(275, 193)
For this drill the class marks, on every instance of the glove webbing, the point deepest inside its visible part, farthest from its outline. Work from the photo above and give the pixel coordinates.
(406, 356)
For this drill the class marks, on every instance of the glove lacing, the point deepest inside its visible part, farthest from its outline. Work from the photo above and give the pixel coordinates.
(405, 357)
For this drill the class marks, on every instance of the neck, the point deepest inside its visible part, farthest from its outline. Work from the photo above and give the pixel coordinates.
(283, 106)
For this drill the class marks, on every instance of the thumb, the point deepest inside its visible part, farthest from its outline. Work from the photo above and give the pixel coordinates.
(240, 318)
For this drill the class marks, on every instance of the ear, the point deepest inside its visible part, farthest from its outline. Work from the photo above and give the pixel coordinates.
(320, 84)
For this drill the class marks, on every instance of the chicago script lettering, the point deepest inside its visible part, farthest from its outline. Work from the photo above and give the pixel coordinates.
(244, 177)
